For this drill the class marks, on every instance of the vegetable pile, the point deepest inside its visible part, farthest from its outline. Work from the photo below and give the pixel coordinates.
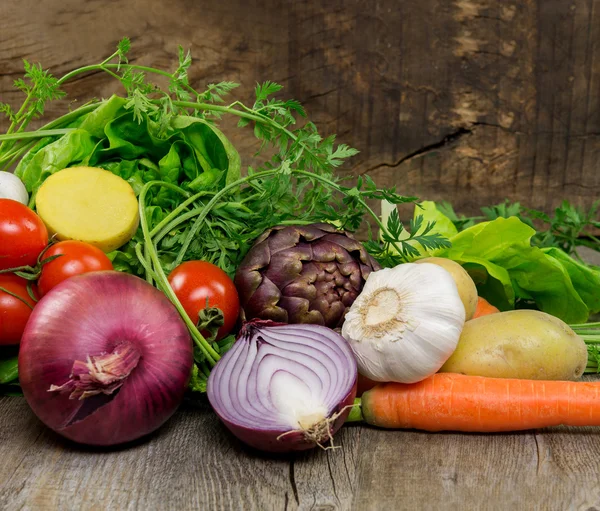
(139, 262)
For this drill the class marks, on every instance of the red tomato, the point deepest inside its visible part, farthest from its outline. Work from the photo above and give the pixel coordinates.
(23, 235)
(13, 312)
(77, 257)
(194, 281)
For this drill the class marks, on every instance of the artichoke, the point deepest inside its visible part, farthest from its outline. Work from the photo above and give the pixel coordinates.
(303, 274)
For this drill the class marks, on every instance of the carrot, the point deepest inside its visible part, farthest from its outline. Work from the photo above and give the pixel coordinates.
(484, 308)
(455, 402)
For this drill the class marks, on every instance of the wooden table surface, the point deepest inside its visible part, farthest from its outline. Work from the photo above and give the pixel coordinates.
(194, 463)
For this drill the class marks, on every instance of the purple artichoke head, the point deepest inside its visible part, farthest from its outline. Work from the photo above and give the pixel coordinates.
(303, 274)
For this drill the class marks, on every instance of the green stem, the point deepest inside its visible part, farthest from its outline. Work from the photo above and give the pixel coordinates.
(590, 339)
(161, 279)
(585, 325)
(265, 119)
(8, 160)
(26, 269)
(205, 370)
(141, 257)
(106, 67)
(85, 69)
(71, 116)
(17, 120)
(150, 276)
(182, 218)
(356, 412)
(4, 290)
(168, 223)
(35, 134)
(591, 335)
(296, 222)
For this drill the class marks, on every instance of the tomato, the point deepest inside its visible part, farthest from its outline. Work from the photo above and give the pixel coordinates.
(13, 312)
(76, 257)
(23, 235)
(194, 281)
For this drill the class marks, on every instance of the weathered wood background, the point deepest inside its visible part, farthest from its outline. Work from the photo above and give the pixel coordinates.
(194, 463)
(472, 101)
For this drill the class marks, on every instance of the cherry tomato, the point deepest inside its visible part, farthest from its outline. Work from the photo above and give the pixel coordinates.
(76, 257)
(194, 281)
(13, 312)
(23, 235)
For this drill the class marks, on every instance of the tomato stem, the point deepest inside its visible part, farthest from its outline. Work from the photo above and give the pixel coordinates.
(14, 295)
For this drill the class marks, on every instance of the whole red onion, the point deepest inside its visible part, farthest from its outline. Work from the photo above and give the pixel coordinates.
(105, 358)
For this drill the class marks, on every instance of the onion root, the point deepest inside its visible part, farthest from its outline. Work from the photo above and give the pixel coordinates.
(100, 374)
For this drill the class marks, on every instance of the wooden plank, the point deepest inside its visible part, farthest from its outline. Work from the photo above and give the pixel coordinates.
(471, 101)
(542, 471)
(191, 463)
(194, 463)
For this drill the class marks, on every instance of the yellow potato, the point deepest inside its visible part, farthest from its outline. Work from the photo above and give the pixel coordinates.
(466, 287)
(89, 204)
(523, 344)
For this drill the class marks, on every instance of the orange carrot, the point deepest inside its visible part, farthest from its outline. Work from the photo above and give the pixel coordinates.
(455, 402)
(484, 308)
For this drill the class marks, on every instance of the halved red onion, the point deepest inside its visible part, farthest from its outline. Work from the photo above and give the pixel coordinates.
(105, 358)
(284, 387)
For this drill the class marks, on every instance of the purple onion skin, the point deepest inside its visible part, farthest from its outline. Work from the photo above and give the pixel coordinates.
(91, 314)
(296, 441)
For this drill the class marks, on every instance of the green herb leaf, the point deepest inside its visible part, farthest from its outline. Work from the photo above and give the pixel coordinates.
(9, 370)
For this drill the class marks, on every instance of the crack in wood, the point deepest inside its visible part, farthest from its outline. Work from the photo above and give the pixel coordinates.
(447, 140)
(332, 478)
(293, 482)
(453, 137)
(537, 454)
(319, 95)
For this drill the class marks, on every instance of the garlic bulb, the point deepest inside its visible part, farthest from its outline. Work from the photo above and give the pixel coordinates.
(11, 187)
(405, 323)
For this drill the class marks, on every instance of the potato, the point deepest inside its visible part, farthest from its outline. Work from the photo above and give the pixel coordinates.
(466, 287)
(89, 204)
(523, 344)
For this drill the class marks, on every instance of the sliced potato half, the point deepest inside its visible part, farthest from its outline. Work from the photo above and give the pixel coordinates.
(89, 204)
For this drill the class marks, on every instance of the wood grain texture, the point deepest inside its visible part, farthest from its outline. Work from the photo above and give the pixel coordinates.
(191, 463)
(471, 101)
(194, 463)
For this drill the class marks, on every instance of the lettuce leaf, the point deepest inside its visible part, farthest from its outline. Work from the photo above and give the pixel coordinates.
(509, 271)
(586, 279)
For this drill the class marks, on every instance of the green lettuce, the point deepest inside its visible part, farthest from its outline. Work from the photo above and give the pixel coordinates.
(189, 152)
(586, 279)
(510, 272)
